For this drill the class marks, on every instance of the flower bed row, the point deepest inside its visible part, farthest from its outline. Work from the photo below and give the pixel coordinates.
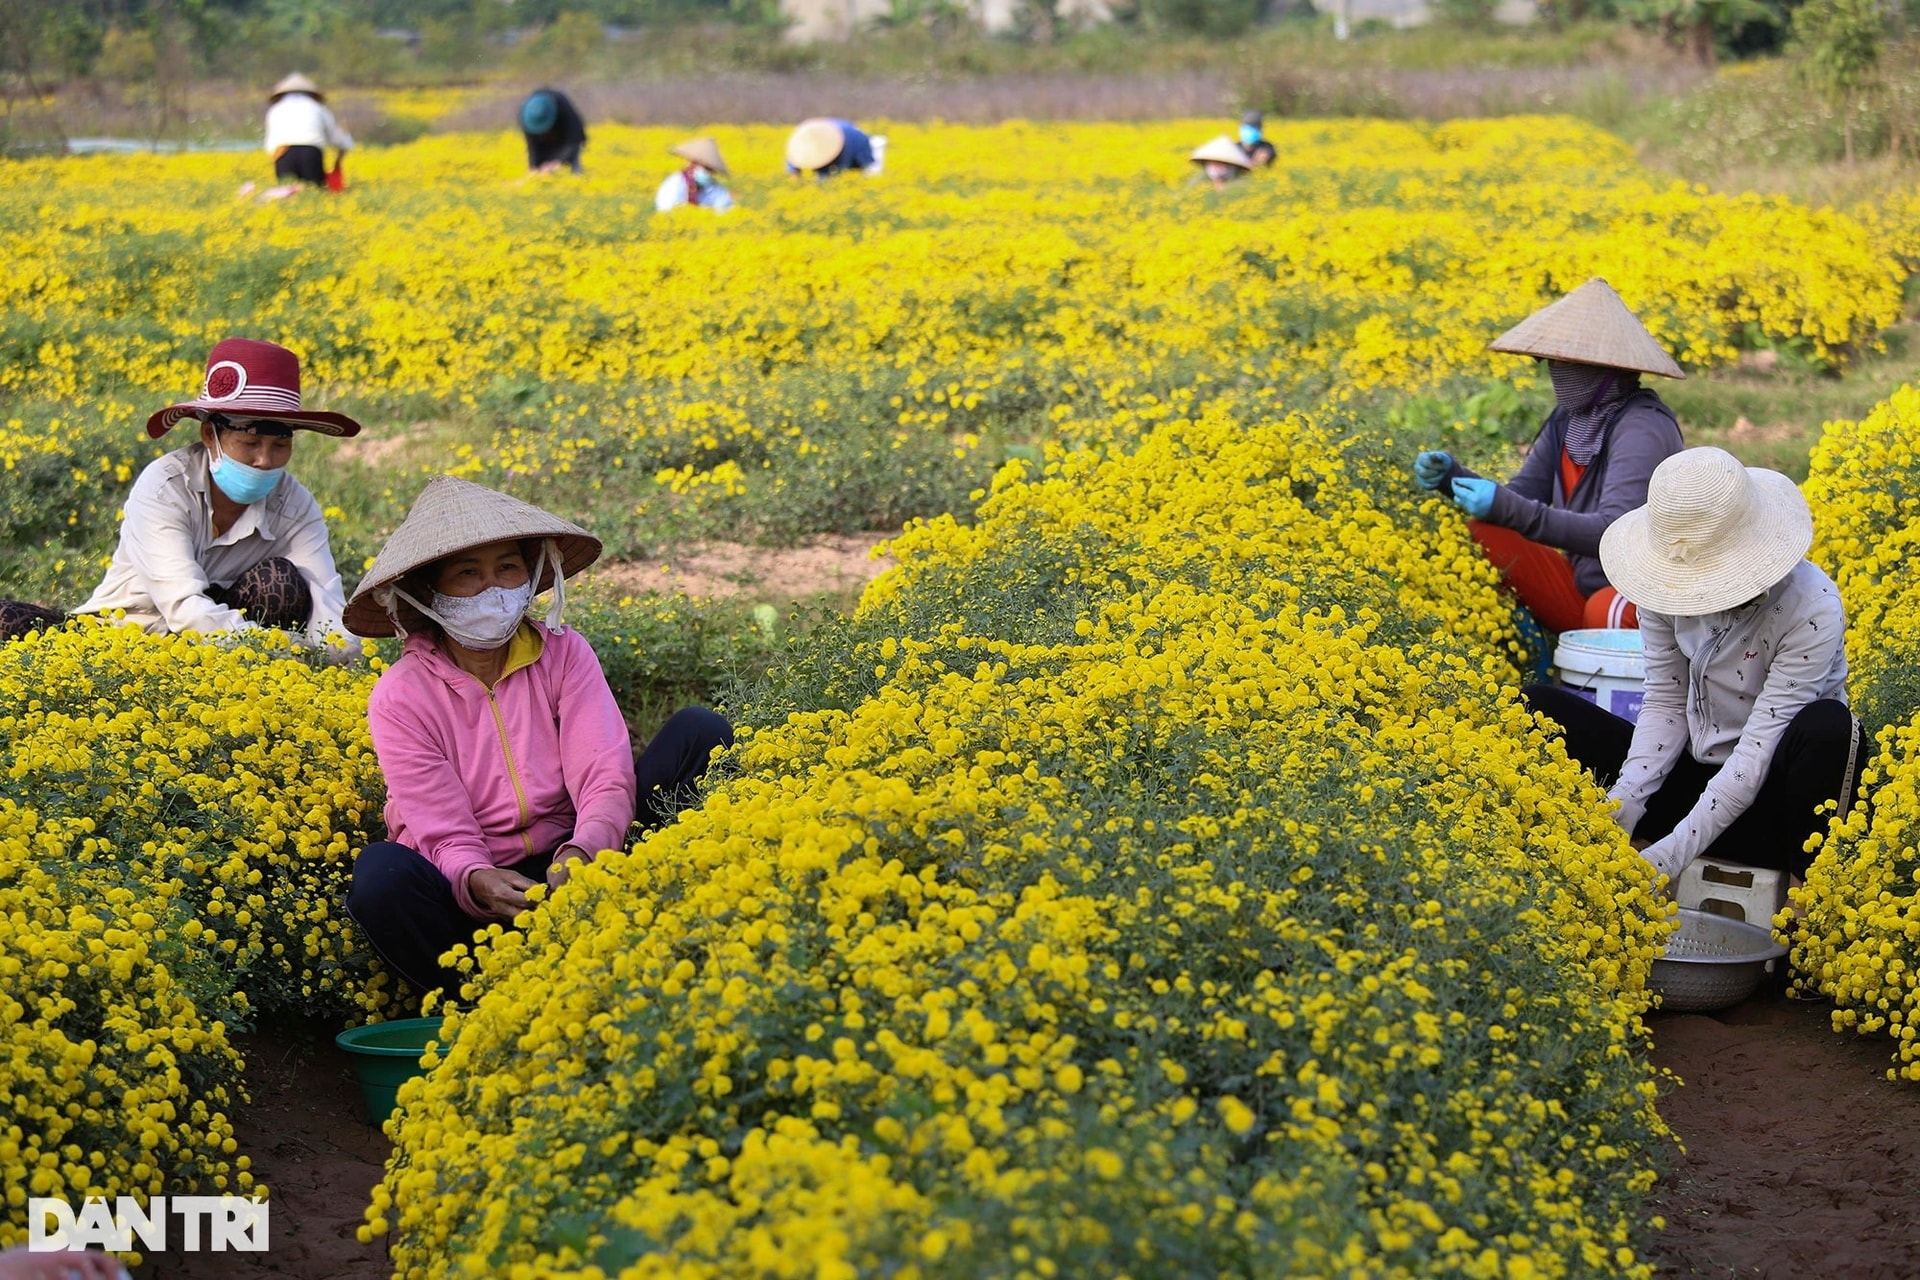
(1860, 941)
(1158, 877)
(177, 820)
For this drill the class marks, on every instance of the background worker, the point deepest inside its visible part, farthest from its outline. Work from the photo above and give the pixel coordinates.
(1588, 466)
(216, 537)
(1745, 735)
(554, 130)
(1253, 141)
(1221, 161)
(826, 145)
(299, 129)
(698, 183)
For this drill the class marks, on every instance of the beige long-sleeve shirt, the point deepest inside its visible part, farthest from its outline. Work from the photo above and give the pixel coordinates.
(1725, 686)
(169, 555)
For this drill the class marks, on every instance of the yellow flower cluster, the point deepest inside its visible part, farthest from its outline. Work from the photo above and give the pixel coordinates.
(177, 819)
(1860, 941)
(1153, 879)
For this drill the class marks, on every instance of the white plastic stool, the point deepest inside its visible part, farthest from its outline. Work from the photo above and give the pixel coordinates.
(1729, 889)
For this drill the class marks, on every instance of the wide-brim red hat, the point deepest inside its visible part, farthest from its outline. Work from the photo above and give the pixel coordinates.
(250, 381)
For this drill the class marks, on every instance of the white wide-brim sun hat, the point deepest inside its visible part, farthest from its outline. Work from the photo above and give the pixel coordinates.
(1223, 150)
(453, 515)
(1714, 534)
(815, 143)
(1591, 325)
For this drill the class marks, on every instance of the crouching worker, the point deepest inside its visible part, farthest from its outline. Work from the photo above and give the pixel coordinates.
(1745, 735)
(1588, 466)
(217, 537)
(505, 756)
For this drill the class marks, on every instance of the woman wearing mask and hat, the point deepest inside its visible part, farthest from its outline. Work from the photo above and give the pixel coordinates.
(698, 183)
(554, 130)
(1253, 142)
(1745, 735)
(825, 146)
(299, 129)
(216, 537)
(1221, 161)
(504, 754)
(1588, 466)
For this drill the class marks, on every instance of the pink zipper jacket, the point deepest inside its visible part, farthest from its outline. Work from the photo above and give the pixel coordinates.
(479, 778)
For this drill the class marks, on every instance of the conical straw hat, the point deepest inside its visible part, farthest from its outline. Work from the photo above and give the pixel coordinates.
(1589, 326)
(1223, 150)
(1713, 535)
(704, 152)
(453, 515)
(814, 144)
(295, 83)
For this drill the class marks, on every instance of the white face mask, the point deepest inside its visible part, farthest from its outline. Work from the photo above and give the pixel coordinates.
(489, 619)
(484, 621)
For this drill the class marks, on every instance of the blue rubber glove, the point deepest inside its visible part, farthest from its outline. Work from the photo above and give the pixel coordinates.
(1431, 467)
(1475, 494)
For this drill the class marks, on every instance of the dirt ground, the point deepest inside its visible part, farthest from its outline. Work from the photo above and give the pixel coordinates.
(832, 564)
(307, 1135)
(1801, 1158)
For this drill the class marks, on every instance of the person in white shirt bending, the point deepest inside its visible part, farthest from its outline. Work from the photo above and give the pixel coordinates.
(697, 184)
(1745, 735)
(299, 129)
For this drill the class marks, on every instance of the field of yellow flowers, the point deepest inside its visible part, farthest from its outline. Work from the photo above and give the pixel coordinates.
(1156, 876)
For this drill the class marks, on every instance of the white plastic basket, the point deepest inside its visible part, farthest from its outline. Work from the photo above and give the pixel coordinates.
(1712, 962)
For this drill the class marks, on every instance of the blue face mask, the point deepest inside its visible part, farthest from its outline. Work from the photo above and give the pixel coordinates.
(1248, 135)
(244, 484)
(702, 177)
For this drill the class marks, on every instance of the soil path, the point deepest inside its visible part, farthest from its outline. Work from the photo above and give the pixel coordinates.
(1801, 1158)
(831, 564)
(307, 1135)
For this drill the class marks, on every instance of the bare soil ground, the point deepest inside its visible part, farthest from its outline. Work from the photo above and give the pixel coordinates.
(1801, 1158)
(833, 564)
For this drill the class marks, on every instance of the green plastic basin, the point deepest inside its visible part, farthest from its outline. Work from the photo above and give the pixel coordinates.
(384, 1056)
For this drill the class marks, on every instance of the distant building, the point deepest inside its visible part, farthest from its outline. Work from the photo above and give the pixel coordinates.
(840, 19)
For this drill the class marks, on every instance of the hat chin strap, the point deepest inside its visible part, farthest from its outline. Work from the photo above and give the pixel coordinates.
(388, 596)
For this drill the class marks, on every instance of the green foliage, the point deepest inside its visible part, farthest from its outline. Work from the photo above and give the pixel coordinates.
(1839, 46)
(1217, 18)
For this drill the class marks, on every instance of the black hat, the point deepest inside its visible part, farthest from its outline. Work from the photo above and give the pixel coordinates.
(1253, 118)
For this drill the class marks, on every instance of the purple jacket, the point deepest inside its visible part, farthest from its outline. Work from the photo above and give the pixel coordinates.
(1643, 434)
(479, 778)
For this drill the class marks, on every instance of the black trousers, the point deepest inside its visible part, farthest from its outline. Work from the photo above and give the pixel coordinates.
(406, 907)
(1819, 758)
(301, 164)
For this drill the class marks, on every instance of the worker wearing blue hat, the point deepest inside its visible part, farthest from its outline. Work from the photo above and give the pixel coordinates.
(555, 132)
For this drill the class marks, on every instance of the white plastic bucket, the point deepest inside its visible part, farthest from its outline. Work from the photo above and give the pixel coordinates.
(1604, 666)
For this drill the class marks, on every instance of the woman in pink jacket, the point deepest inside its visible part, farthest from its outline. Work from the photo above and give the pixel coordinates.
(504, 754)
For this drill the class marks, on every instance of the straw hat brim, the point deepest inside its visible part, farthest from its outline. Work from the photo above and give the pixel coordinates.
(704, 152)
(1772, 538)
(814, 144)
(1222, 150)
(453, 515)
(296, 83)
(327, 424)
(1591, 325)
